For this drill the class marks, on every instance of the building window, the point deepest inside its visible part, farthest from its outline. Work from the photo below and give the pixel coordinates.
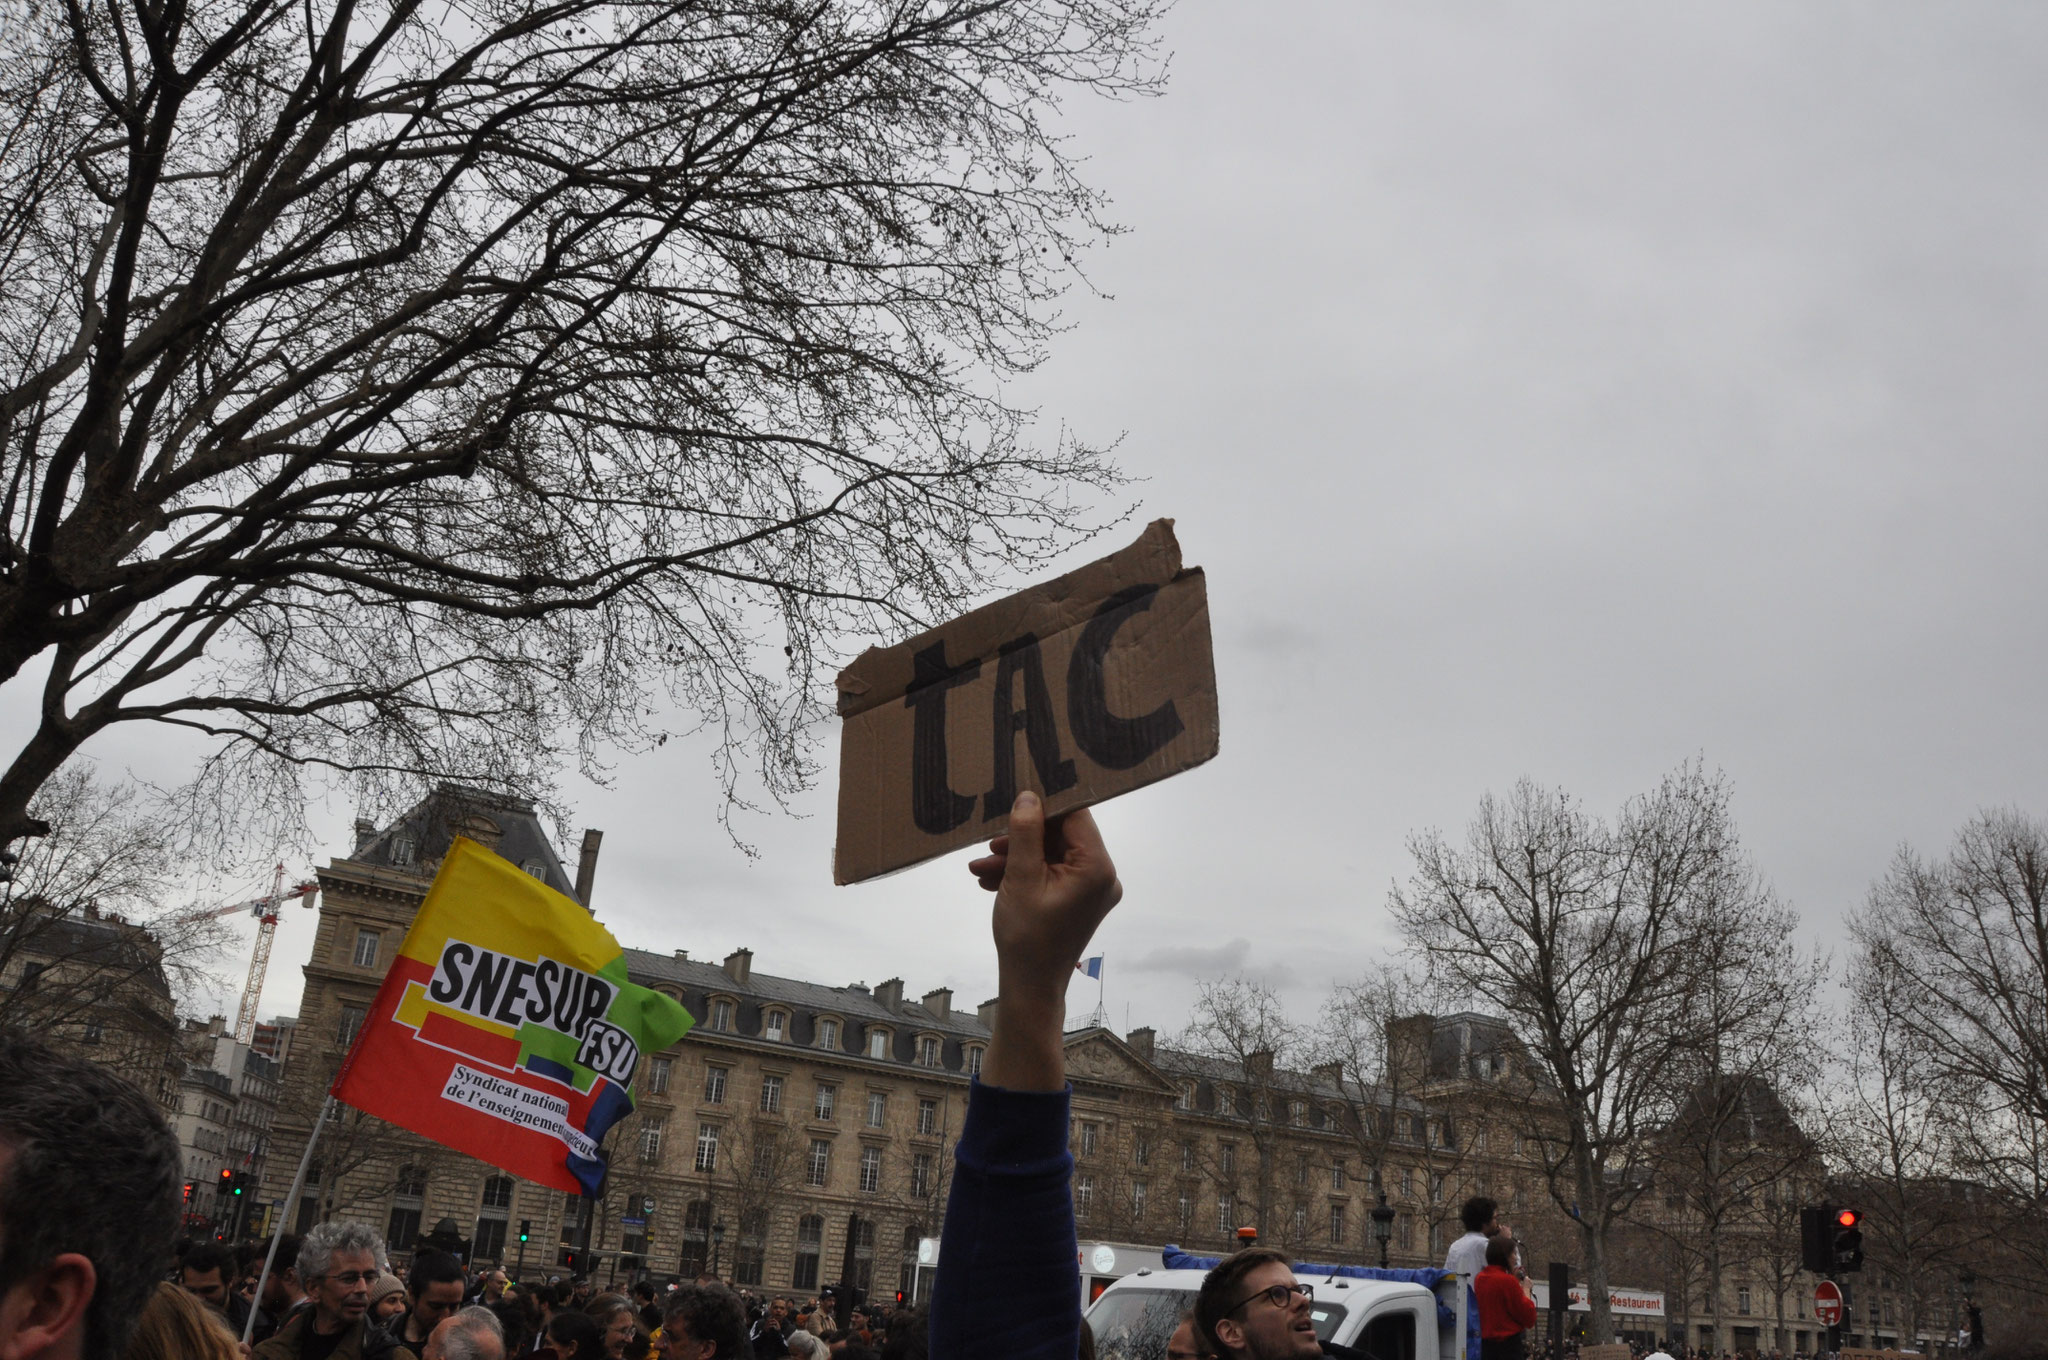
(767, 1155)
(750, 1254)
(1226, 1160)
(906, 1275)
(772, 1027)
(721, 1016)
(1141, 1150)
(657, 1076)
(1301, 1174)
(921, 1175)
(927, 1051)
(1187, 1156)
(536, 868)
(1089, 1133)
(1336, 1225)
(1337, 1177)
(1297, 1112)
(707, 1147)
(828, 1097)
(878, 1109)
(93, 1032)
(489, 1242)
(771, 1094)
(828, 1034)
(497, 1192)
(878, 1043)
(1138, 1200)
(650, 1140)
(974, 1060)
(870, 1170)
(366, 949)
(1184, 1213)
(405, 1226)
(1404, 1232)
(810, 1242)
(927, 1117)
(1742, 1301)
(1084, 1196)
(864, 1255)
(714, 1086)
(1300, 1222)
(819, 1165)
(402, 850)
(696, 1237)
(1184, 1099)
(351, 1025)
(1226, 1100)
(1224, 1215)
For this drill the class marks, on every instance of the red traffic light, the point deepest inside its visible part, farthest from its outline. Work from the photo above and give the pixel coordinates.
(1848, 1218)
(226, 1175)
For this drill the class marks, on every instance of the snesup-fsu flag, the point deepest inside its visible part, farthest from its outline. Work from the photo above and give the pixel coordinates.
(506, 1028)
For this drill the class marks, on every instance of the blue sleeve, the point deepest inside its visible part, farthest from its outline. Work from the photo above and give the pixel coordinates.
(1008, 1283)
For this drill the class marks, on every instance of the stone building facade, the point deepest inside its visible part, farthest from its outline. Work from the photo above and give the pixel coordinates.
(227, 1102)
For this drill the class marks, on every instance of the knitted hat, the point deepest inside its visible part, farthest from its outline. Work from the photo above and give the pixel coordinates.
(387, 1284)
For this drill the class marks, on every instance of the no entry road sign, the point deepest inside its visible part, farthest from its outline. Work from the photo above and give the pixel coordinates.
(1827, 1302)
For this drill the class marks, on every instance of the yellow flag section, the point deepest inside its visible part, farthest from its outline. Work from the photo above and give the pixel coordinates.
(506, 1028)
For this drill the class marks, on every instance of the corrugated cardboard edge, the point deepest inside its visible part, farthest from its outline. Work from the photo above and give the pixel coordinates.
(881, 674)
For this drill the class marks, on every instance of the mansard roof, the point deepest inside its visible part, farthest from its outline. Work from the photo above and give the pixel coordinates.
(499, 821)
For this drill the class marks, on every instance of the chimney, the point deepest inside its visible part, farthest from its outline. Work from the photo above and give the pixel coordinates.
(739, 966)
(1140, 1041)
(940, 1002)
(365, 830)
(889, 995)
(986, 1011)
(1331, 1072)
(1259, 1064)
(682, 956)
(586, 865)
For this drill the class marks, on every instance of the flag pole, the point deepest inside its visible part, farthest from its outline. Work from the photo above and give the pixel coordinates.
(291, 1201)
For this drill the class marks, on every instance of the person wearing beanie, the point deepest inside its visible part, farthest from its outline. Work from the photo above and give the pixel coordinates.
(387, 1299)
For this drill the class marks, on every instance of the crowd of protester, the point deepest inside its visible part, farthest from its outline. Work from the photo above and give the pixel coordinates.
(91, 1182)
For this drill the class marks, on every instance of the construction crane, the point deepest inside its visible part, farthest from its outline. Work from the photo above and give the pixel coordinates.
(264, 909)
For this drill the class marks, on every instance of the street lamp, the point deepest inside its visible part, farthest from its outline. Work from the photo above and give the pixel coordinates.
(1383, 1226)
(717, 1242)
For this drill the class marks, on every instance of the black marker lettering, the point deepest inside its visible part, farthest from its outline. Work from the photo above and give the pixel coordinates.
(1020, 656)
(1110, 741)
(933, 805)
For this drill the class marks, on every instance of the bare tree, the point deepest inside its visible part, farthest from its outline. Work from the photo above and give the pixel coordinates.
(1745, 1014)
(1242, 1027)
(411, 392)
(1581, 934)
(92, 954)
(1959, 951)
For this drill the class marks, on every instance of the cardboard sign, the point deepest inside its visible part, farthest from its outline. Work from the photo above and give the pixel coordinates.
(1082, 688)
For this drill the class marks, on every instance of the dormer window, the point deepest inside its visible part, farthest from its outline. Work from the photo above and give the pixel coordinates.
(878, 1042)
(928, 1050)
(721, 1016)
(536, 868)
(403, 848)
(828, 1034)
(974, 1060)
(774, 1027)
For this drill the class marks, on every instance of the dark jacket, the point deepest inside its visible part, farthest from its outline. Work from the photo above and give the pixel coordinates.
(1007, 1284)
(360, 1342)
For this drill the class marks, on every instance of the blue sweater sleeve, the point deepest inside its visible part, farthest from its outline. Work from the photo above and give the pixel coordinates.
(1008, 1283)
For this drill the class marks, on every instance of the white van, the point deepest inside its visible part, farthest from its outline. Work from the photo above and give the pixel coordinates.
(1389, 1320)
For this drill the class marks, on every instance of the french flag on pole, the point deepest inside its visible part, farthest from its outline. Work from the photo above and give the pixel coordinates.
(1090, 967)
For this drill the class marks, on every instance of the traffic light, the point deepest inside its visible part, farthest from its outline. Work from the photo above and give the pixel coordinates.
(1817, 1239)
(190, 1186)
(227, 1182)
(525, 1229)
(1847, 1239)
(239, 1184)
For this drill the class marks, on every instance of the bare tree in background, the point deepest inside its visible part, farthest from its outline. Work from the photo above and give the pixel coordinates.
(1951, 972)
(1396, 1110)
(1581, 934)
(1242, 1027)
(414, 393)
(87, 917)
(1735, 1146)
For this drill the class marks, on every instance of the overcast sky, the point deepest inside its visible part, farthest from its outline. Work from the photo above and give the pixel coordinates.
(1560, 390)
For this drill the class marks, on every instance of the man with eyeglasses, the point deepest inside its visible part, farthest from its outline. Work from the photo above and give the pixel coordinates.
(435, 1286)
(1252, 1308)
(338, 1262)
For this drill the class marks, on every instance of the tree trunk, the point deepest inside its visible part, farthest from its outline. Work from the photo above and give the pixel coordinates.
(1593, 1242)
(1714, 1275)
